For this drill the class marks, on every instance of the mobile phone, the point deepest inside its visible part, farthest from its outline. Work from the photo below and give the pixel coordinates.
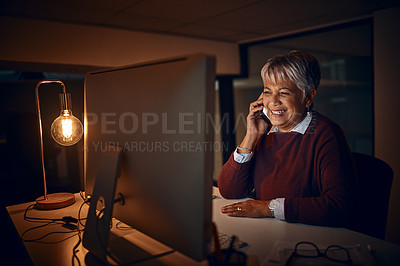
(264, 116)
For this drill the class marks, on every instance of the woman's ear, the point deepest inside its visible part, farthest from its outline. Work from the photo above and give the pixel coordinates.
(310, 97)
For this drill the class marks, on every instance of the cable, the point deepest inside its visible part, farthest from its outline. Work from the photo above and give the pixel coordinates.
(67, 221)
(37, 240)
(82, 196)
(79, 212)
(48, 221)
(75, 249)
(76, 230)
(54, 222)
(35, 219)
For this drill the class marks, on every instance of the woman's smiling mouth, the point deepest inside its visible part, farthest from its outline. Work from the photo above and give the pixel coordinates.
(278, 112)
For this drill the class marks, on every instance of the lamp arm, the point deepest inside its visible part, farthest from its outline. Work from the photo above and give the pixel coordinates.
(40, 125)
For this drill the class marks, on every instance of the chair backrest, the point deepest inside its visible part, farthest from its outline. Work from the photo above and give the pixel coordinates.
(375, 181)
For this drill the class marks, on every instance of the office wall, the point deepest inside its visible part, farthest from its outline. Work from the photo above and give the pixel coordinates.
(50, 42)
(387, 102)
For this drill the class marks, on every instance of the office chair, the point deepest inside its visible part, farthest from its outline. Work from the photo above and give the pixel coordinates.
(375, 181)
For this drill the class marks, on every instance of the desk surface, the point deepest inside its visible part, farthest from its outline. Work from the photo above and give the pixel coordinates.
(261, 235)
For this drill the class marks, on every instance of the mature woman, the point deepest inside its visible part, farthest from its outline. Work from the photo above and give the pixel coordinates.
(300, 166)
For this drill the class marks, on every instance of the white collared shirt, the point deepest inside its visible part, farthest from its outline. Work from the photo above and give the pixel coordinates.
(245, 157)
(299, 128)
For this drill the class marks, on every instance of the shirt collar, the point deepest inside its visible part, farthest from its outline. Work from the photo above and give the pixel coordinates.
(299, 128)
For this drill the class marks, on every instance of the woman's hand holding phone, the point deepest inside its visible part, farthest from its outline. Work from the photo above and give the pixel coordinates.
(264, 116)
(256, 124)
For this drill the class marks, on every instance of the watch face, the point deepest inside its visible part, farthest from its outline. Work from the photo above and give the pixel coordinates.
(272, 204)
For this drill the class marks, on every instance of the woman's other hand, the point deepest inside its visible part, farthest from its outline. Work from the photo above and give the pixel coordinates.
(249, 208)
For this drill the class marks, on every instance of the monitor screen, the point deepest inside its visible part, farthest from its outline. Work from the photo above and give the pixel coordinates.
(161, 113)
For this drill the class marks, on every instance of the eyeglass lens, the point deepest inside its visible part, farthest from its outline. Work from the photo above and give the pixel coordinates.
(305, 249)
(337, 253)
(333, 252)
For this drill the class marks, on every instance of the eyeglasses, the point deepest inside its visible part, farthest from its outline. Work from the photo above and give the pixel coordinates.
(334, 253)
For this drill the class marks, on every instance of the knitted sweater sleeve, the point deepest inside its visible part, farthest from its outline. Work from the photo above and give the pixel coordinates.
(234, 180)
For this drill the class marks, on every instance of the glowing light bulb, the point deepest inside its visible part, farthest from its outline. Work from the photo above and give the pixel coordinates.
(66, 130)
(67, 127)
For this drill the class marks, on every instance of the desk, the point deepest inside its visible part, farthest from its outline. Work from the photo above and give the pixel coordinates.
(261, 235)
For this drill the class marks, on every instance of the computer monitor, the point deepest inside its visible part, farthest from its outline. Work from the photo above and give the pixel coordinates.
(161, 113)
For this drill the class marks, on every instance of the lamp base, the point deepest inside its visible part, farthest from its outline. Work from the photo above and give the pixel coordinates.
(55, 201)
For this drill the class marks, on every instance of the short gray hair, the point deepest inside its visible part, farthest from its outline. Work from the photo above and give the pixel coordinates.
(299, 67)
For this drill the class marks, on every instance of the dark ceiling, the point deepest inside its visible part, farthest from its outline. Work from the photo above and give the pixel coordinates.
(236, 21)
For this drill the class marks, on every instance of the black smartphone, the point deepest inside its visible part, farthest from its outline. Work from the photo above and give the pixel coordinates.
(264, 116)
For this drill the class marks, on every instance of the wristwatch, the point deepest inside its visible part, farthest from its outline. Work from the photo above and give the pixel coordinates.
(271, 206)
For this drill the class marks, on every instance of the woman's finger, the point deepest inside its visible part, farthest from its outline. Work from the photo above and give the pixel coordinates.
(236, 209)
(256, 104)
(232, 208)
(254, 110)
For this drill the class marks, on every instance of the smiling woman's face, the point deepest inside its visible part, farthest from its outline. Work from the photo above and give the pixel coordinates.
(285, 104)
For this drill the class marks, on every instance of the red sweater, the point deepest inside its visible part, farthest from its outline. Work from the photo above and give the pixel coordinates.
(314, 172)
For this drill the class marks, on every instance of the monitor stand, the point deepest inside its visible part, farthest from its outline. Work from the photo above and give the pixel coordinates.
(97, 238)
(97, 229)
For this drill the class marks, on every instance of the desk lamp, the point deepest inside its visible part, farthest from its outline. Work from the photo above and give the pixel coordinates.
(66, 130)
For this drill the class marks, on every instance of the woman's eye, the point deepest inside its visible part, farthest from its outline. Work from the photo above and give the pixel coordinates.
(267, 92)
(285, 93)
